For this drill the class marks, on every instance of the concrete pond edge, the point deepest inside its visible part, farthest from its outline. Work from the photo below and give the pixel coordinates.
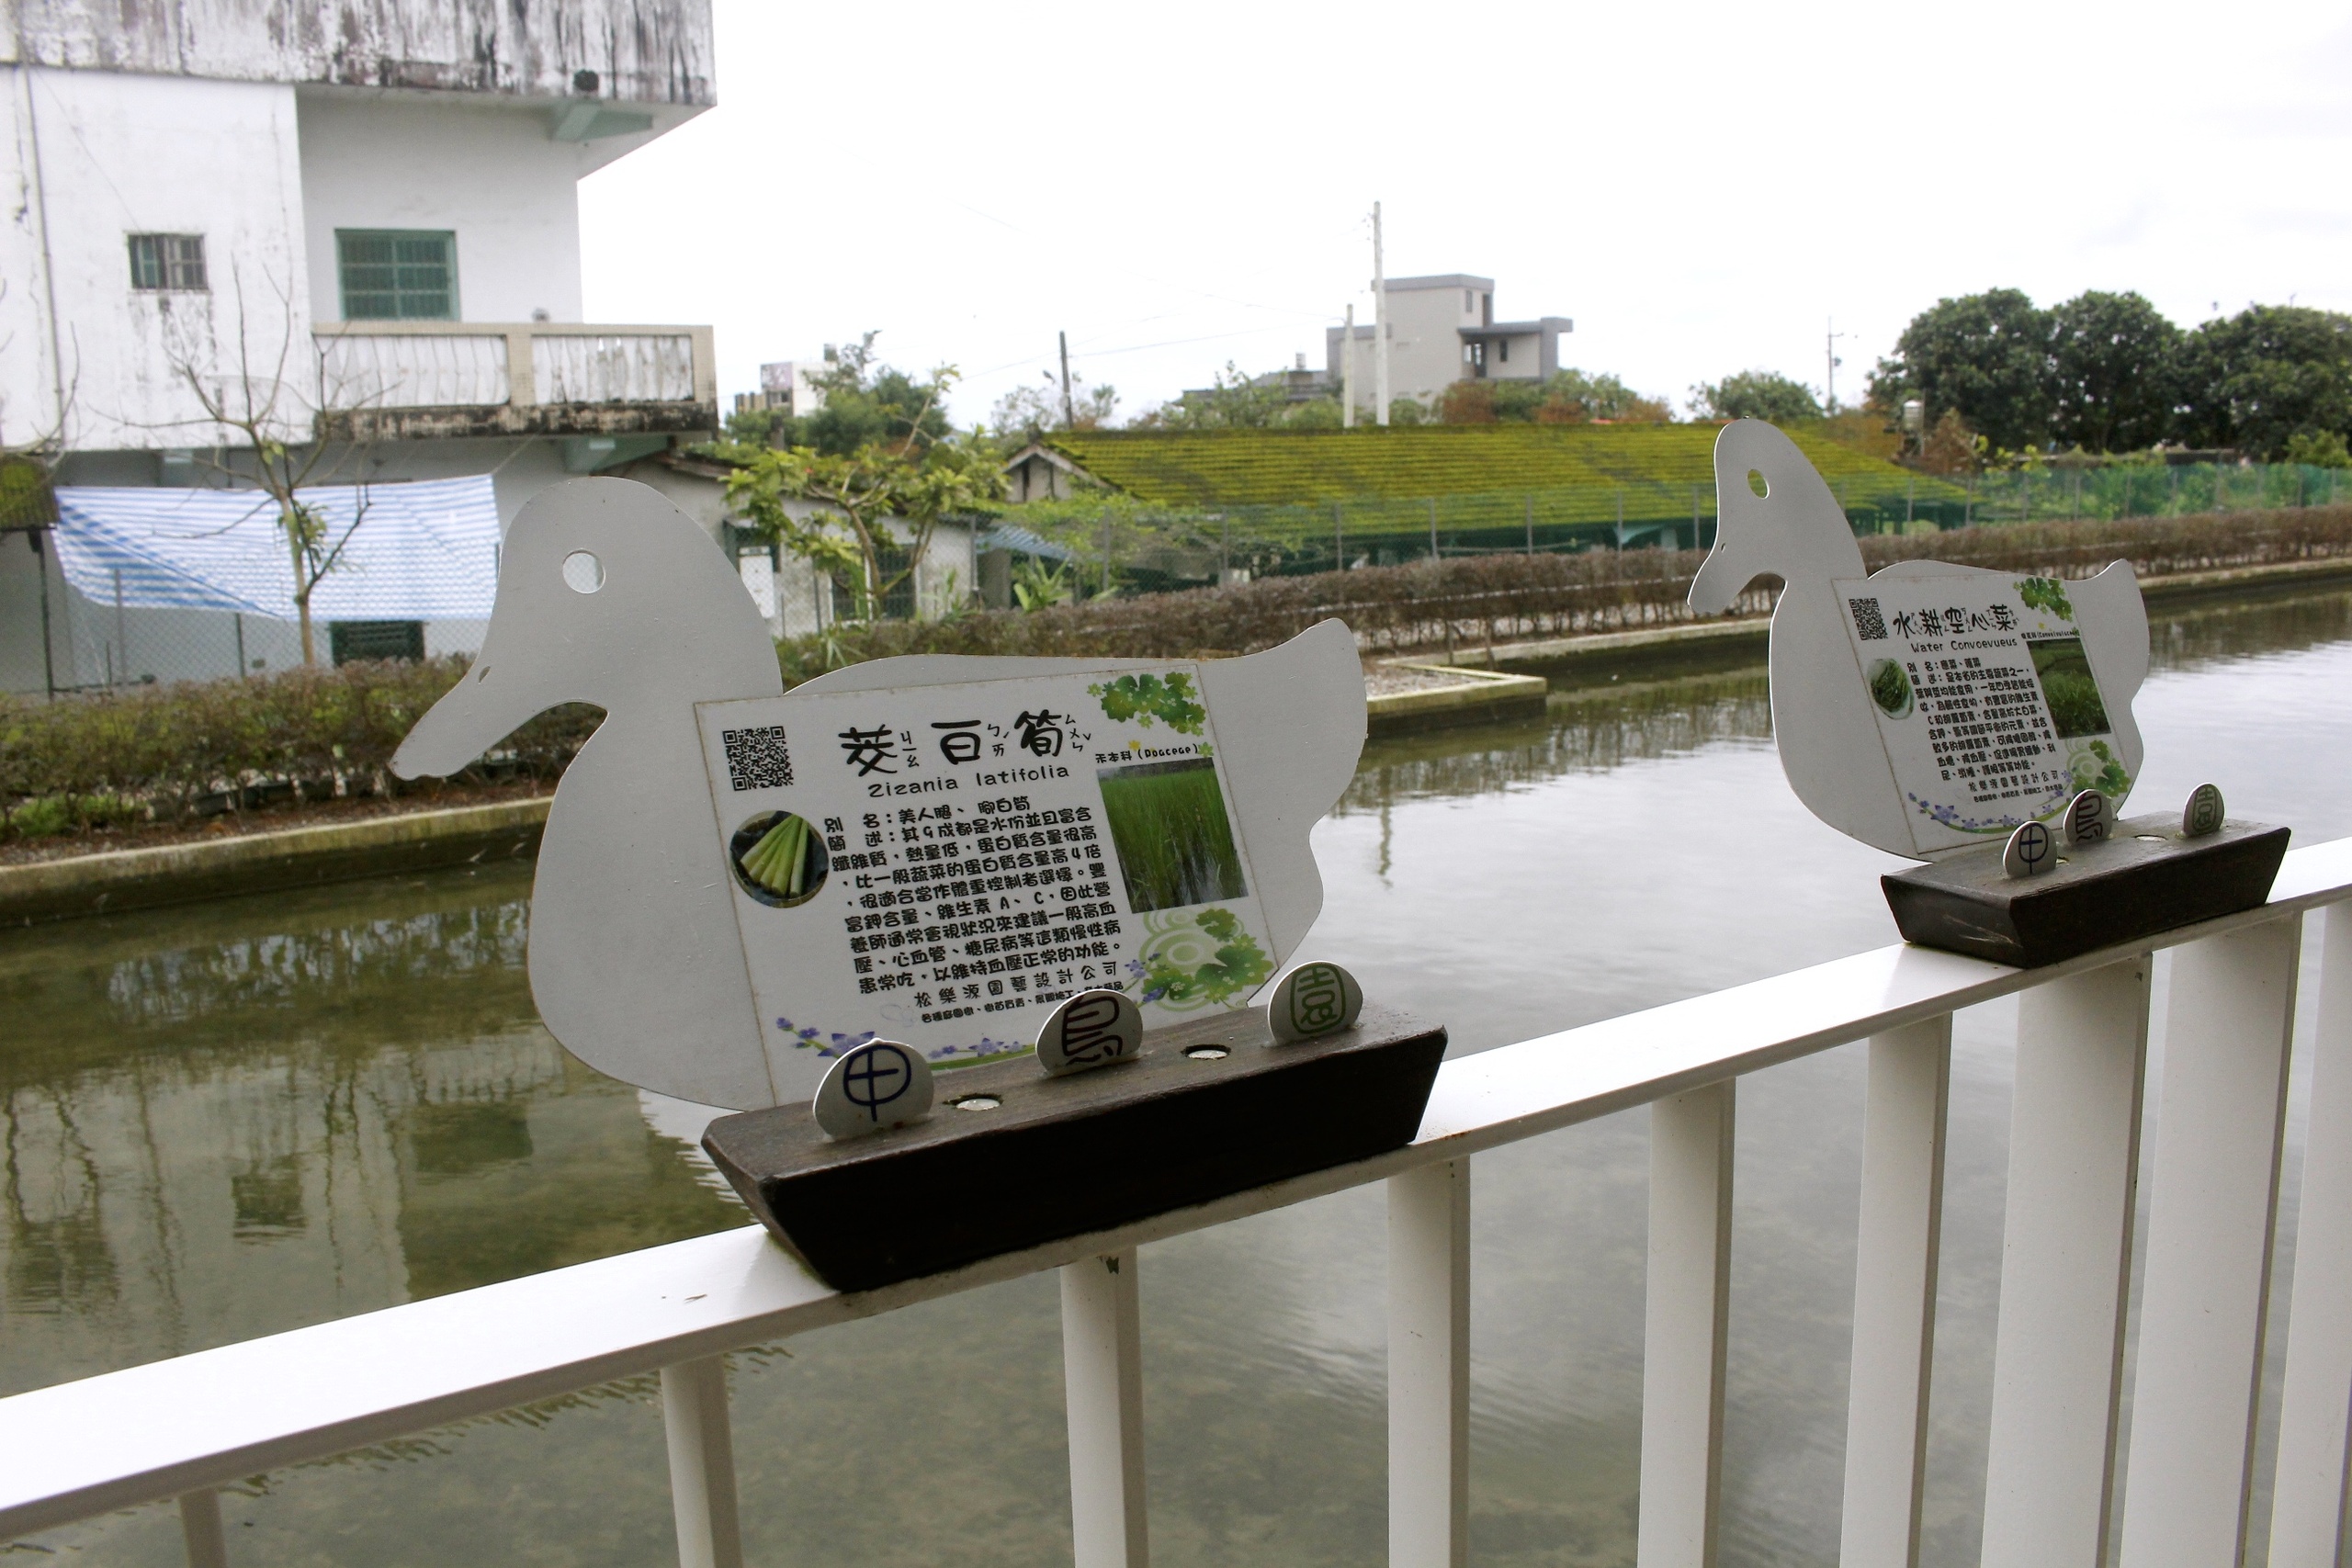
(425, 841)
(121, 880)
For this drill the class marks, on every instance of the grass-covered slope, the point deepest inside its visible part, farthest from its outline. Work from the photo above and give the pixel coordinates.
(1235, 468)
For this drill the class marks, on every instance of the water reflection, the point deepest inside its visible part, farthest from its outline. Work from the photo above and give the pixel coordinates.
(246, 1116)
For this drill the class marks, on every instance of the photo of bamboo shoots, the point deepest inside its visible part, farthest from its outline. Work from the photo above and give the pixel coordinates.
(779, 858)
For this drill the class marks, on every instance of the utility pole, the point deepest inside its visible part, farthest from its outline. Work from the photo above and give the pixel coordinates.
(1070, 414)
(1379, 327)
(1348, 371)
(1829, 352)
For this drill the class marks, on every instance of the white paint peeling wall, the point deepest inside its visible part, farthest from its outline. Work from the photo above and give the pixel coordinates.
(105, 156)
(644, 51)
(489, 172)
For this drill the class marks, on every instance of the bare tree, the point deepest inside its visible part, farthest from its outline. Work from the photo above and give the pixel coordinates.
(264, 414)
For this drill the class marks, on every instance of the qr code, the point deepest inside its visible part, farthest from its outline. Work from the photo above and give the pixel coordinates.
(1868, 625)
(756, 758)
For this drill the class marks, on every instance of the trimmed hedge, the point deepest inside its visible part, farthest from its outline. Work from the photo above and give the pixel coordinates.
(1485, 599)
(167, 752)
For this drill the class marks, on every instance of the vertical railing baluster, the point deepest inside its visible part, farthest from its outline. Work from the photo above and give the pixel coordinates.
(702, 1463)
(2213, 1214)
(1103, 1380)
(1895, 1294)
(2065, 1268)
(1684, 1322)
(1429, 1367)
(2307, 1522)
(200, 1532)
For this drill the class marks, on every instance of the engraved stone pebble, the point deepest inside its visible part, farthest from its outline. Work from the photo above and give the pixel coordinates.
(2203, 815)
(1311, 1001)
(2089, 818)
(872, 1088)
(2031, 850)
(1093, 1029)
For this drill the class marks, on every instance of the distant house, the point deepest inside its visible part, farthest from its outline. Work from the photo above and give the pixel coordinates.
(1442, 329)
(788, 385)
(793, 597)
(364, 212)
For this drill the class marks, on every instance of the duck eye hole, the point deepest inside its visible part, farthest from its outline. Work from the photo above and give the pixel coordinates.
(582, 572)
(1756, 482)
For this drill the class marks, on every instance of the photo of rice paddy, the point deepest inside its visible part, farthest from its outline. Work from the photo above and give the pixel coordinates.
(1175, 842)
(2067, 685)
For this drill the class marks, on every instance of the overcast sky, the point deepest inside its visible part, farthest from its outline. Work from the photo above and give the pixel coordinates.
(1701, 187)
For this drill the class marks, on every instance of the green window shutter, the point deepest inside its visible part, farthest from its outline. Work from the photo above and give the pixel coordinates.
(173, 262)
(398, 274)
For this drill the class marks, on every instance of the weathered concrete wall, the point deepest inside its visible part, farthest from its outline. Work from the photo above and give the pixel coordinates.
(653, 51)
(484, 170)
(97, 157)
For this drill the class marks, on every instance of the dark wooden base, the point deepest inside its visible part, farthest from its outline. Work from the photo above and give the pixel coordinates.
(1063, 1157)
(2145, 880)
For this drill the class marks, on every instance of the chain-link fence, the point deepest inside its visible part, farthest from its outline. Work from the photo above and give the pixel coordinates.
(1144, 548)
(56, 640)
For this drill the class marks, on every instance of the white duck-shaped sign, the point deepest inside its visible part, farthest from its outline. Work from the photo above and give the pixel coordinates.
(1932, 706)
(737, 884)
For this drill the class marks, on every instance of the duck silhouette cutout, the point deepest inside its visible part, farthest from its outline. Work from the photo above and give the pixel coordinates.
(1776, 516)
(608, 594)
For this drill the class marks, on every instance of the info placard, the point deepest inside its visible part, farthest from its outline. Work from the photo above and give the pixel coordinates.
(1987, 702)
(941, 864)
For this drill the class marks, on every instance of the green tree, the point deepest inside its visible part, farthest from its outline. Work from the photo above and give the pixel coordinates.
(863, 402)
(867, 509)
(2260, 379)
(2114, 367)
(1039, 408)
(2326, 450)
(1755, 394)
(1984, 355)
(1565, 396)
(1239, 400)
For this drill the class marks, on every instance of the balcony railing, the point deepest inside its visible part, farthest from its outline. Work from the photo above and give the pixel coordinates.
(406, 380)
(183, 1427)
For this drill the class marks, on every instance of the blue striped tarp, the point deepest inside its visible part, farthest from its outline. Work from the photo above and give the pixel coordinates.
(423, 550)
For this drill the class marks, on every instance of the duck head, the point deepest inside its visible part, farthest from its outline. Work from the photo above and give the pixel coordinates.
(1773, 516)
(606, 595)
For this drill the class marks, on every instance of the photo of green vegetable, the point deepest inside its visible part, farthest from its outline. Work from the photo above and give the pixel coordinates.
(1174, 841)
(778, 858)
(1208, 960)
(2047, 593)
(2096, 767)
(1890, 688)
(2068, 686)
(1144, 697)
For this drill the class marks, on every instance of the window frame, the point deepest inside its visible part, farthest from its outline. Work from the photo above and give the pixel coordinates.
(166, 262)
(345, 293)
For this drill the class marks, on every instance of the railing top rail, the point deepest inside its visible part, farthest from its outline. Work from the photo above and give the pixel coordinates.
(213, 1418)
(503, 329)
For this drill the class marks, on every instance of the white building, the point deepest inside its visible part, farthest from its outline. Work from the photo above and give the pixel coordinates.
(789, 386)
(362, 213)
(1441, 330)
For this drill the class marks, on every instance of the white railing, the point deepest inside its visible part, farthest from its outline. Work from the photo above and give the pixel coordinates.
(439, 364)
(183, 1427)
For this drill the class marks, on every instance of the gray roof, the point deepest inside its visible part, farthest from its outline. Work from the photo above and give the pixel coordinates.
(1441, 280)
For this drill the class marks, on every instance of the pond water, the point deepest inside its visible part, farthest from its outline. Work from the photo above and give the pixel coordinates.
(246, 1116)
